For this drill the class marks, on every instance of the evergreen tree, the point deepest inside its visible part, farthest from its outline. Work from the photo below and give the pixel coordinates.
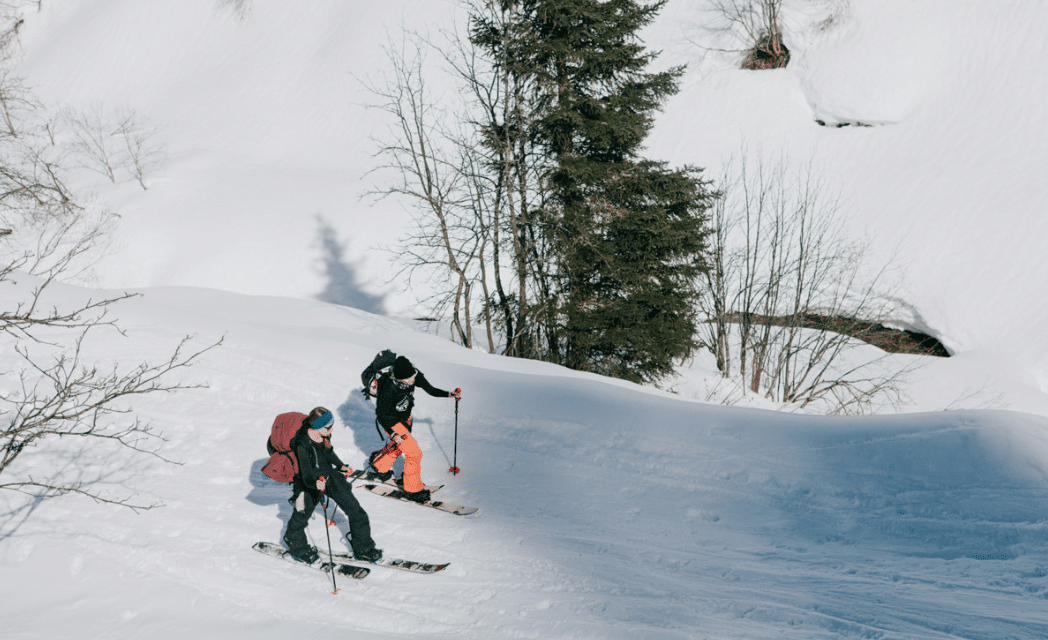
(632, 251)
(626, 235)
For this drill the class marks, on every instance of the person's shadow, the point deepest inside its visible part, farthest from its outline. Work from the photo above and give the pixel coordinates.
(267, 492)
(358, 414)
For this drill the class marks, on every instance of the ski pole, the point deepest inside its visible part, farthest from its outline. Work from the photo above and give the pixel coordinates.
(454, 465)
(331, 557)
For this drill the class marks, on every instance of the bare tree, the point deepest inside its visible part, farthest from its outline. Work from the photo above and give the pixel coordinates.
(52, 231)
(756, 25)
(421, 152)
(59, 394)
(503, 109)
(111, 141)
(475, 172)
(789, 298)
(14, 98)
(143, 150)
(69, 397)
(52, 393)
(93, 134)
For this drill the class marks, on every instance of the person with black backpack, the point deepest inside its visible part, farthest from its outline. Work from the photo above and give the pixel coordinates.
(395, 397)
(380, 364)
(320, 472)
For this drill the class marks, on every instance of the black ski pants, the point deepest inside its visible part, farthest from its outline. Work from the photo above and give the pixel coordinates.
(339, 490)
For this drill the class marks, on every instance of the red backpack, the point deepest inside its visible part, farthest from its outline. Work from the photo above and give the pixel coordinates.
(282, 465)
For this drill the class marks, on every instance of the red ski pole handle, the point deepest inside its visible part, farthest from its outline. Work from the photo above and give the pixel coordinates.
(330, 521)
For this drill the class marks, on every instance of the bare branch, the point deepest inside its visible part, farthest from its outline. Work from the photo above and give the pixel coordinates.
(756, 25)
(788, 299)
(70, 397)
(143, 151)
(43, 490)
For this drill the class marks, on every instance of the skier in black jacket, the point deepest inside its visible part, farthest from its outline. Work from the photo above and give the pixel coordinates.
(320, 471)
(393, 404)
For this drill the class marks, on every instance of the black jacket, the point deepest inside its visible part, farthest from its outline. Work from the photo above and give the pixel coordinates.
(395, 400)
(315, 459)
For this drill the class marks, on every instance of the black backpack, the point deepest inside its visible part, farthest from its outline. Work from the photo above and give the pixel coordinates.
(382, 363)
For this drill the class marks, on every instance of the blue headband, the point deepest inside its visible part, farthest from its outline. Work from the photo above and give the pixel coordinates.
(323, 421)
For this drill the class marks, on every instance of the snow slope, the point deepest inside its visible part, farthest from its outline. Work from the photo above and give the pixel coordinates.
(264, 121)
(947, 180)
(607, 510)
(270, 143)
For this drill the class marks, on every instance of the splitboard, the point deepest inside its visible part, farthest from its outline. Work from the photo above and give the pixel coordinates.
(396, 563)
(340, 567)
(369, 476)
(399, 494)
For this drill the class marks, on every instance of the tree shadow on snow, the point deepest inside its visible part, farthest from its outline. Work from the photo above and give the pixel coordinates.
(78, 475)
(343, 287)
(13, 518)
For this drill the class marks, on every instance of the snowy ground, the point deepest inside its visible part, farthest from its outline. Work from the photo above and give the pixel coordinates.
(607, 510)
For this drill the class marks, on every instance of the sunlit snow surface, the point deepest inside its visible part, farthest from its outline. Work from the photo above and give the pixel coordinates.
(607, 510)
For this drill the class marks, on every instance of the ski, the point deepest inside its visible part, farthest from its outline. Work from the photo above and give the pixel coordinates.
(396, 563)
(369, 476)
(340, 568)
(399, 494)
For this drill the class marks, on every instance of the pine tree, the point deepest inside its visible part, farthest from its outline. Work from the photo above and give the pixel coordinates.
(626, 234)
(632, 252)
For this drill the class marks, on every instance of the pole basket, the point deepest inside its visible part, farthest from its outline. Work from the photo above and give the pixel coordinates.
(454, 470)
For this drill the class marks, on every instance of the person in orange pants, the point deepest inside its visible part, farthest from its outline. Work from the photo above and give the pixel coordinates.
(393, 404)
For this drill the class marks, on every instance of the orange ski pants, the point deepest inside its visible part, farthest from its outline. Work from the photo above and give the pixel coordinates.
(412, 459)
